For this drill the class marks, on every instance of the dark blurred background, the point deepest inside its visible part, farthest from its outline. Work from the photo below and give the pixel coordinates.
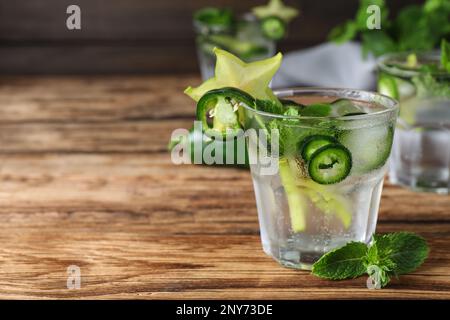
(136, 36)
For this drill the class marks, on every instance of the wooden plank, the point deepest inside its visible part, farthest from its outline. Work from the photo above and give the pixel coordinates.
(105, 213)
(137, 183)
(94, 99)
(97, 137)
(130, 264)
(105, 59)
(129, 186)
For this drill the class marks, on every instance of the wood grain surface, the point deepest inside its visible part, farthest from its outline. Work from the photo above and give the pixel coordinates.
(85, 180)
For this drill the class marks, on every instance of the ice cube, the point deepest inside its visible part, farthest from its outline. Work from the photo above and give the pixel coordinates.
(342, 107)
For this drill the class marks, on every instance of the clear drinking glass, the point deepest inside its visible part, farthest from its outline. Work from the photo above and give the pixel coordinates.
(301, 219)
(246, 41)
(421, 152)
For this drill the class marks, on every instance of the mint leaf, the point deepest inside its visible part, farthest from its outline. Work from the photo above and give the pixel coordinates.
(427, 86)
(377, 254)
(377, 42)
(380, 275)
(372, 255)
(269, 106)
(362, 15)
(419, 39)
(344, 32)
(342, 263)
(379, 266)
(433, 5)
(287, 134)
(407, 251)
(388, 255)
(445, 55)
(316, 110)
(291, 112)
(288, 137)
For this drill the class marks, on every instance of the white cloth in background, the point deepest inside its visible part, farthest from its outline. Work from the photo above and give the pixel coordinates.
(328, 65)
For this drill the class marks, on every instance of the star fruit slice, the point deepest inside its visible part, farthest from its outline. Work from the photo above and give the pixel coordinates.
(276, 8)
(253, 77)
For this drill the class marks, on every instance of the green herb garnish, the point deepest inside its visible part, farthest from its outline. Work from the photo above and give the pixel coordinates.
(428, 86)
(445, 55)
(416, 27)
(215, 17)
(389, 254)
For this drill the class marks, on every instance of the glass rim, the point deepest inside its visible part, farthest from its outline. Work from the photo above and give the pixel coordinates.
(433, 55)
(390, 105)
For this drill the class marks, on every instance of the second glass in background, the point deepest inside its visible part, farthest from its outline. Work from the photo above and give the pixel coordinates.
(244, 39)
(420, 157)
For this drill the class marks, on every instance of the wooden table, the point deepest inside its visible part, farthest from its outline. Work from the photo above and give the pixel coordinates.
(86, 180)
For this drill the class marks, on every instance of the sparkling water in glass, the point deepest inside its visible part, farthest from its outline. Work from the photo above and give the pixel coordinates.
(300, 219)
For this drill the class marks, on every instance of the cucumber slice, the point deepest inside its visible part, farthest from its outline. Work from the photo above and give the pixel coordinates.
(330, 164)
(388, 86)
(370, 147)
(295, 197)
(273, 28)
(312, 143)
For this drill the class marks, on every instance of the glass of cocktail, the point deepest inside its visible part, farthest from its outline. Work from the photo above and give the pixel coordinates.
(215, 27)
(332, 153)
(421, 153)
(317, 156)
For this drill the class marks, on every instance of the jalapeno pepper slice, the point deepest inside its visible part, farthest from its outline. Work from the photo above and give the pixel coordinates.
(221, 106)
(330, 164)
(312, 143)
(273, 28)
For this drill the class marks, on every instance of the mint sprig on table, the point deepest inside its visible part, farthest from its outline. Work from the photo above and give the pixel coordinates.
(445, 55)
(390, 254)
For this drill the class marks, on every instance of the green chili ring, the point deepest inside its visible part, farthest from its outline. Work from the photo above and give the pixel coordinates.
(222, 105)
